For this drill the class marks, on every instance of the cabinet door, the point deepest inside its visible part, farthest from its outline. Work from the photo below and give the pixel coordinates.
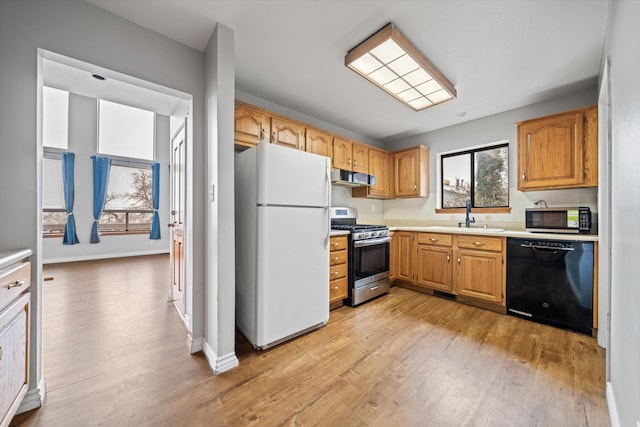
(287, 132)
(434, 267)
(360, 156)
(479, 275)
(405, 256)
(393, 257)
(379, 166)
(319, 142)
(551, 152)
(342, 153)
(411, 172)
(251, 125)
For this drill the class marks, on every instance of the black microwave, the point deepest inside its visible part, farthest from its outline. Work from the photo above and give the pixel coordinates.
(558, 220)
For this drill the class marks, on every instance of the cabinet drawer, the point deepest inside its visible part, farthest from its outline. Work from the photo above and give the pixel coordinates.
(337, 271)
(13, 281)
(338, 257)
(14, 324)
(480, 242)
(435, 239)
(338, 243)
(338, 289)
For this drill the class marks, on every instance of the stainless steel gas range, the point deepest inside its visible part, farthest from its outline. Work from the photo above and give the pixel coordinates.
(369, 248)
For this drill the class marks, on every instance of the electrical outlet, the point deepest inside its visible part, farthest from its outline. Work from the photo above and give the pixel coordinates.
(487, 218)
(373, 208)
(212, 193)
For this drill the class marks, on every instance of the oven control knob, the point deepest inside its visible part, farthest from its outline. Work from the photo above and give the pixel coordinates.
(374, 234)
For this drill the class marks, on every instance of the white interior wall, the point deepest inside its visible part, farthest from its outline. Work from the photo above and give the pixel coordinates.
(623, 388)
(83, 142)
(76, 29)
(486, 130)
(220, 295)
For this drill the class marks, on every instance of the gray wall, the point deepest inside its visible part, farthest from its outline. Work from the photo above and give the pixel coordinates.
(622, 45)
(77, 29)
(496, 128)
(489, 129)
(220, 296)
(82, 141)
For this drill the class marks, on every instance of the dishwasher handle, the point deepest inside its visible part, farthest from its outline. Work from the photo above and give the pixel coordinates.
(545, 248)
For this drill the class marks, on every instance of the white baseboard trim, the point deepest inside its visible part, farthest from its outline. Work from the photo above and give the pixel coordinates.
(194, 345)
(104, 256)
(613, 408)
(219, 364)
(34, 397)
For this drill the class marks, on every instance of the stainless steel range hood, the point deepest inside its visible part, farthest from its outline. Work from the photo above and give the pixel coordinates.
(346, 178)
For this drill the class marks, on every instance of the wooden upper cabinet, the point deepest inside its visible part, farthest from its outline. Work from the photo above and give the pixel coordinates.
(319, 142)
(287, 132)
(342, 152)
(380, 167)
(559, 151)
(252, 125)
(360, 158)
(411, 169)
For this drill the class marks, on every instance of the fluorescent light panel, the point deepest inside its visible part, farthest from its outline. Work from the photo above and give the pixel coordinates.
(391, 62)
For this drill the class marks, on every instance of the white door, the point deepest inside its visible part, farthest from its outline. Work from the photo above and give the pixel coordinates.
(178, 147)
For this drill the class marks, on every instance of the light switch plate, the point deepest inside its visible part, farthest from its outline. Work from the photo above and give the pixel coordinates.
(212, 193)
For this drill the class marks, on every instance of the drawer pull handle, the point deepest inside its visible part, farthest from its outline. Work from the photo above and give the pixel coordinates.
(433, 239)
(335, 288)
(335, 244)
(478, 243)
(336, 258)
(335, 273)
(15, 284)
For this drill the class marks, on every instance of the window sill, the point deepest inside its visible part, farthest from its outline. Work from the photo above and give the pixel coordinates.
(504, 210)
(102, 233)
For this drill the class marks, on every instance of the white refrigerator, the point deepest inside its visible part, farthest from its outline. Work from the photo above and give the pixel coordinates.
(282, 199)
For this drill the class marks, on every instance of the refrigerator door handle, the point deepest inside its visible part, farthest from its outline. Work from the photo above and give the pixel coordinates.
(328, 176)
(327, 210)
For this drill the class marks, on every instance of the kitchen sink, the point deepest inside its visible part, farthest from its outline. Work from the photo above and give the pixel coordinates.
(470, 230)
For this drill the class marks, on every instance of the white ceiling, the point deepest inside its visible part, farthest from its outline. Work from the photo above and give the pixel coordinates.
(498, 54)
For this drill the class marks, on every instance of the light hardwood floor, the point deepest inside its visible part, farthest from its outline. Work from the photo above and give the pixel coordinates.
(115, 355)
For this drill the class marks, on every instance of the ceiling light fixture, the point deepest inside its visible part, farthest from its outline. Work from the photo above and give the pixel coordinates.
(389, 60)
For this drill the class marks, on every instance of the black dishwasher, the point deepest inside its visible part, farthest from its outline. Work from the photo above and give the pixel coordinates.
(551, 281)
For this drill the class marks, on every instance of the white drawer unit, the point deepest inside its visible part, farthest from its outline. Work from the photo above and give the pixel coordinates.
(15, 279)
(14, 372)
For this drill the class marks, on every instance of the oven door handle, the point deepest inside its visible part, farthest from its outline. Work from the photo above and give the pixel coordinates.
(546, 248)
(371, 242)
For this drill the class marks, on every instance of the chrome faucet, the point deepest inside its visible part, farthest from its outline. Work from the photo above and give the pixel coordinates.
(468, 221)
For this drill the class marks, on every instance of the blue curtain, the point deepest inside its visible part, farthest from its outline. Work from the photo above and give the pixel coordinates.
(101, 167)
(70, 236)
(155, 188)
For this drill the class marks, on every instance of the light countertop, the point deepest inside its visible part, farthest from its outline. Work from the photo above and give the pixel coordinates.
(496, 232)
(9, 257)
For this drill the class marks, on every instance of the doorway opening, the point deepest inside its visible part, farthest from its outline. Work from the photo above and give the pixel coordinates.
(171, 111)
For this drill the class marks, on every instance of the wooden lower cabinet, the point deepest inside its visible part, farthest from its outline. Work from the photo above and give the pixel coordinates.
(405, 256)
(434, 268)
(338, 270)
(471, 267)
(479, 275)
